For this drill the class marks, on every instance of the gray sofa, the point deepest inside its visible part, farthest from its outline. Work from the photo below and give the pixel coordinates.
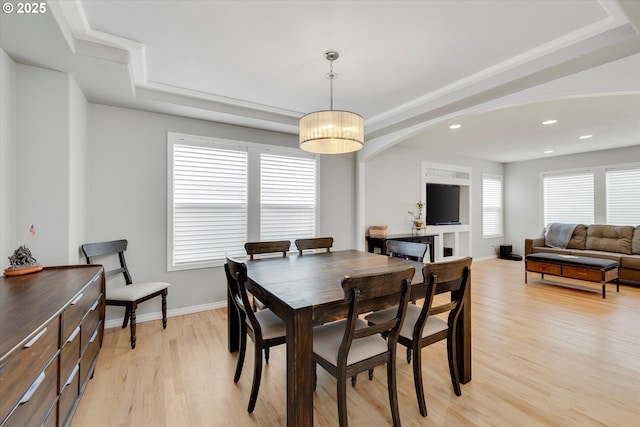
(619, 243)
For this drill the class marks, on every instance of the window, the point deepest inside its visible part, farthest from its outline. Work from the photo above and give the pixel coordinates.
(491, 206)
(569, 198)
(623, 196)
(214, 206)
(287, 197)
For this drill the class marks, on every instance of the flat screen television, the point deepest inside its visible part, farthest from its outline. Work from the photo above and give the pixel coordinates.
(442, 204)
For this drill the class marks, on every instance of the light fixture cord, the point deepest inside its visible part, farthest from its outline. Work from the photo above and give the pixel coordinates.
(331, 76)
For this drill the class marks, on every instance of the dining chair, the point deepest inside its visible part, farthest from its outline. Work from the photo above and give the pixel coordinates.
(416, 251)
(266, 247)
(264, 327)
(422, 326)
(256, 248)
(349, 346)
(314, 243)
(131, 294)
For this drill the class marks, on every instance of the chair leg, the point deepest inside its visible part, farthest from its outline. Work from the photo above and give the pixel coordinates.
(257, 376)
(132, 325)
(315, 375)
(408, 354)
(241, 353)
(127, 314)
(354, 380)
(266, 355)
(164, 309)
(371, 374)
(417, 381)
(393, 391)
(342, 400)
(453, 365)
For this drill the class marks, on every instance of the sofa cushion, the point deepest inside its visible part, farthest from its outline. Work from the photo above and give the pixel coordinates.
(614, 256)
(632, 262)
(635, 241)
(578, 238)
(609, 238)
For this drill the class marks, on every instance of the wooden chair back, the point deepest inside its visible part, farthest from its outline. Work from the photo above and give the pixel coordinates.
(449, 276)
(314, 243)
(416, 251)
(102, 249)
(236, 272)
(255, 248)
(392, 288)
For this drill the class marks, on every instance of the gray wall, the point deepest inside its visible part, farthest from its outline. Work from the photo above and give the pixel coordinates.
(127, 163)
(393, 186)
(523, 192)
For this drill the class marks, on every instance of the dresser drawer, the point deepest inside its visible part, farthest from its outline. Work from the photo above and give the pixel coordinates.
(37, 400)
(69, 394)
(21, 370)
(90, 322)
(88, 359)
(69, 356)
(542, 267)
(582, 273)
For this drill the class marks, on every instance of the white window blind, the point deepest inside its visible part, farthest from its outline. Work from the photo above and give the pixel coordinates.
(491, 206)
(569, 198)
(287, 197)
(208, 193)
(623, 196)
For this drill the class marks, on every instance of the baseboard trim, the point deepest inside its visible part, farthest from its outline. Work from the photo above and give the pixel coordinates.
(147, 317)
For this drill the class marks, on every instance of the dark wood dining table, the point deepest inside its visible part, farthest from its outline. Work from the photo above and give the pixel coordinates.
(304, 290)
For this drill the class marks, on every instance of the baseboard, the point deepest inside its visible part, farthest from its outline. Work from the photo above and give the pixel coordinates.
(147, 317)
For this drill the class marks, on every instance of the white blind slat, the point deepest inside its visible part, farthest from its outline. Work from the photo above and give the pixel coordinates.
(209, 203)
(287, 197)
(569, 198)
(623, 196)
(491, 205)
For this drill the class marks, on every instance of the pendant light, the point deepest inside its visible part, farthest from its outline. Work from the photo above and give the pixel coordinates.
(331, 131)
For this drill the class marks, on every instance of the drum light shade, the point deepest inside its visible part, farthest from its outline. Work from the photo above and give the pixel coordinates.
(331, 132)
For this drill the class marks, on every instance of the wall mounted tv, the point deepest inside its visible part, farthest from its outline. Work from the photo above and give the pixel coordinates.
(442, 204)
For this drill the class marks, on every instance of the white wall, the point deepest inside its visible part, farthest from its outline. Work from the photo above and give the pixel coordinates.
(523, 193)
(393, 185)
(8, 241)
(127, 176)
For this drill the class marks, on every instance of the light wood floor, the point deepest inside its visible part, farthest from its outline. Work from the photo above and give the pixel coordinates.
(543, 355)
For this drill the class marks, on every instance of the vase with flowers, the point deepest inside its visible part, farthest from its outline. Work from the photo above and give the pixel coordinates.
(418, 224)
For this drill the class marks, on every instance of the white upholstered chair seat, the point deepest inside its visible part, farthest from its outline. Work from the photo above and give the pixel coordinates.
(272, 326)
(433, 326)
(136, 291)
(328, 337)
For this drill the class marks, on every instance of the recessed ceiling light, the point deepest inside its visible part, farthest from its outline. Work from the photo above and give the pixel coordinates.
(455, 126)
(549, 122)
(548, 151)
(586, 136)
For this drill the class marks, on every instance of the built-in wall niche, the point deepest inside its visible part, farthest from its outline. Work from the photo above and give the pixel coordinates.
(452, 235)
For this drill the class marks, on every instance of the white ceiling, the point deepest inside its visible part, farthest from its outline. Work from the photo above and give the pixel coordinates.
(410, 68)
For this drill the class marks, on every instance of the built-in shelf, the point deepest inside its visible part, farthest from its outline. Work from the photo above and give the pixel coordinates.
(457, 237)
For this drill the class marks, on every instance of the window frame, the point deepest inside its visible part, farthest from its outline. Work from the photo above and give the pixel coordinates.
(499, 178)
(254, 151)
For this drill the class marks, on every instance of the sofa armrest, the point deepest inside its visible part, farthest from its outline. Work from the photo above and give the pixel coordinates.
(529, 244)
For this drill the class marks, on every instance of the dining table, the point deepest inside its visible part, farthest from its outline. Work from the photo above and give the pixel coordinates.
(305, 291)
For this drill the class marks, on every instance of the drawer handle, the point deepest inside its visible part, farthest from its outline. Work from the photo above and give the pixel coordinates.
(93, 337)
(72, 375)
(36, 338)
(32, 389)
(75, 333)
(76, 299)
(95, 279)
(582, 273)
(95, 304)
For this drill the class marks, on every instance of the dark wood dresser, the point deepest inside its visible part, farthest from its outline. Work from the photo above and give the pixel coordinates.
(51, 329)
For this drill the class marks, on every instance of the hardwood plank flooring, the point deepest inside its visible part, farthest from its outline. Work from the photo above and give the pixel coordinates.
(543, 355)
